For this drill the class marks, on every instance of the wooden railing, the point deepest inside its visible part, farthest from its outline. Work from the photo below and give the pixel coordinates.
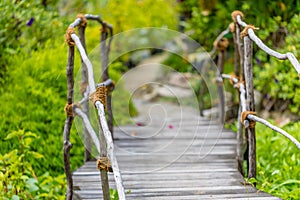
(99, 94)
(242, 79)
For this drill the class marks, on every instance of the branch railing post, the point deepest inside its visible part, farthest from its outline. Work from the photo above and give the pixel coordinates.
(68, 123)
(221, 58)
(248, 54)
(239, 72)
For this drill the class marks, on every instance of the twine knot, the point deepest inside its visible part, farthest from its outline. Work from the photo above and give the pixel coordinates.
(69, 110)
(99, 95)
(233, 76)
(103, 163)
(232, 27)
(222, 44)
(68, 37)
(244, 117)
(245, 31)
(83, 21)
(234, 15)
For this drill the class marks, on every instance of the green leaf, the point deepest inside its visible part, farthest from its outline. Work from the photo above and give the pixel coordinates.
(35, 154)
(14, 134)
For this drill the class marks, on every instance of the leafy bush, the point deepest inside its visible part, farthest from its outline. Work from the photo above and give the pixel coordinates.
(130, 14)
(17, 176)
(278, 79)
(25, 26)
(208, 18)
(278, 29)
(33, 99)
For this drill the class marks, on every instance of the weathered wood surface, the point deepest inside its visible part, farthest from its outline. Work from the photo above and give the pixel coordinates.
(178, 155)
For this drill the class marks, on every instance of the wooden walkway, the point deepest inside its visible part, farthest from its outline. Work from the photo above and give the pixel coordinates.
(177, 155)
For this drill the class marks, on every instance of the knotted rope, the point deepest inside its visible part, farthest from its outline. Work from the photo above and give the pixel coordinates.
(103, 163)
(234, 15)
(244, 117)
(68, 37)
(232, 27)
(83, 21)
(69, 109)
(222, 44)
(99, 95)
(245, 31)
(233, 76)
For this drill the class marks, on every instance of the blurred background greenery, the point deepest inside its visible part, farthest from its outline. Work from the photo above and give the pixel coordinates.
(33, 82)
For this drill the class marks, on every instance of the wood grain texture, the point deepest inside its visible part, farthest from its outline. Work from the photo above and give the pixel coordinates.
(191, 161)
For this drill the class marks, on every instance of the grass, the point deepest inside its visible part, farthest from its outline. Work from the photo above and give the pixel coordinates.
(278, 161)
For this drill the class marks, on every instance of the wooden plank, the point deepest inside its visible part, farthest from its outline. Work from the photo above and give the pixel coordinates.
(189, 165)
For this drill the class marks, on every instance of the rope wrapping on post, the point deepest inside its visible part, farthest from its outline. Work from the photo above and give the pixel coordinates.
(244, 32)
(69, 110)
(232, 27)
(99, 95)
(234, 15)
(244, 117)
(103, 163)
(221, 44)
(83, 20)
(68, 37)
(233, 78)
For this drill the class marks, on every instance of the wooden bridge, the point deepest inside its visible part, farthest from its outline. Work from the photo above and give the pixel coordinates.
(171, 152)
(177, 156)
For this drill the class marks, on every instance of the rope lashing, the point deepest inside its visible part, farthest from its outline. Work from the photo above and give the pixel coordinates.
(232, 27)
(83, 21)
(222, 44)
(83, 86)
(69, 110)
(68, 34)
(234, 15)
(244, 117)
(245, 31)
(233, 76)
(103, 163)
(99, 95)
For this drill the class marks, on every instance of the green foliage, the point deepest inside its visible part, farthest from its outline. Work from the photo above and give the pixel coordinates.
(178, 63)
(25, 26)
(33, 99)
(130, 14)
(278, 162)
(209, 18)
(278, 79)
(17, 177)
(113, 194)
